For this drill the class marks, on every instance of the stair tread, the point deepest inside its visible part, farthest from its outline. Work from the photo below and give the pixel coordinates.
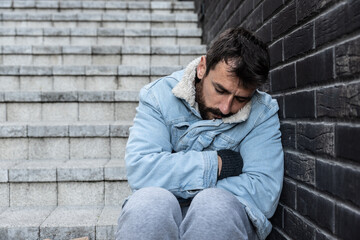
(62, 170)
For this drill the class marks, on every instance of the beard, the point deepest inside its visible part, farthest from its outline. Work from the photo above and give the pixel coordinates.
(205, 111)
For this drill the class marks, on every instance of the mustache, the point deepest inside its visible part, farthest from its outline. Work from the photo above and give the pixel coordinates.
(217, 112)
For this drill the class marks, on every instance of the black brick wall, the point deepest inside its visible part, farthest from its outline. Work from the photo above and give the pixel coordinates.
(314, 48)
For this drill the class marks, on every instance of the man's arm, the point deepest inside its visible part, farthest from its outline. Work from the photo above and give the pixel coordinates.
(149, 157)
(261, 181)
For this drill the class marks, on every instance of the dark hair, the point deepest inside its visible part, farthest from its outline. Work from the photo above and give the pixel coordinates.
(246, 55)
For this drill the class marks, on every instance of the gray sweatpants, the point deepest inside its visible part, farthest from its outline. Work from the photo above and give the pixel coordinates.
(155, 213)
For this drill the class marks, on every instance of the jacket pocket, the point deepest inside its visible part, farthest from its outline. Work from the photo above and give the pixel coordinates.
(177, 131)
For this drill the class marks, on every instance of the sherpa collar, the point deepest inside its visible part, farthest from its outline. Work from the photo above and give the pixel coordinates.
(185, 89)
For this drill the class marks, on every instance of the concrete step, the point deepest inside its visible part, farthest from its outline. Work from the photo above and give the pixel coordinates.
(79, 78)
(54, 141)
(105, 20)
(100, 36)
(99, 55)
(96, 6)
(69, 106)
(63, 182)
(62, 222)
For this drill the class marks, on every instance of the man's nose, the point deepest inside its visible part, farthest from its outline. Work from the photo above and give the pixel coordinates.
(225, 105)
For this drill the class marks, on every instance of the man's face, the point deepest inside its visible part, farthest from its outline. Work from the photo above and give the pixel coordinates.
(219, 94)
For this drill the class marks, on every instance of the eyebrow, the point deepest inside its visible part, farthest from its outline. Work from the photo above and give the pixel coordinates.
(219, 86)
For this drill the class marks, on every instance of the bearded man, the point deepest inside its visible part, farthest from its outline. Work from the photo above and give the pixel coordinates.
(204, 156)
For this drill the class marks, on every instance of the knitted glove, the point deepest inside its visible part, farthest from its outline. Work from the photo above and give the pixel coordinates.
(232, 163)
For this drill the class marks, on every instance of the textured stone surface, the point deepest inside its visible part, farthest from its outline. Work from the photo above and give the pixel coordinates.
(116, 192)
(48, 148)
(107, 223)
(81, 193)
(300, 167)
(23, 222)
(67, 222)
(115, 170)
(4, 195)
(316, 138)
(13, 149)
(89, 148)
(82, 170)
(33, 194)
(34, 171)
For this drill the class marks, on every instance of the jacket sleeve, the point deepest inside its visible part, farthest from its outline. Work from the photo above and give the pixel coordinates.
(150, 161)
(261, 181)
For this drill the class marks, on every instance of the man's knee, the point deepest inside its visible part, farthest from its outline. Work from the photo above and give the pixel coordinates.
(216, 199)
(152, 200)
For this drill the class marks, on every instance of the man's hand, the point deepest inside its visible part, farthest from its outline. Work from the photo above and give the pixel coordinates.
(230, 164)
(219, 165)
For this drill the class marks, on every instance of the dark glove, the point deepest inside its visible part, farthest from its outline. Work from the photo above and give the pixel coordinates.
(232, 163)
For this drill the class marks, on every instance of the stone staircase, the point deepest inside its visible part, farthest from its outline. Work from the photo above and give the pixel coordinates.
(70, 73)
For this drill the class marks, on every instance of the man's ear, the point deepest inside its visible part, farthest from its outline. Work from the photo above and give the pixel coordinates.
(201, 68)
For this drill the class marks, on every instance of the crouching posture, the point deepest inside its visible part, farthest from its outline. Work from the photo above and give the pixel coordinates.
(204, 156)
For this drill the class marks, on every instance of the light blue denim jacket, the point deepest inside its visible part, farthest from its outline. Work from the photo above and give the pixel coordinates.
(170, 146)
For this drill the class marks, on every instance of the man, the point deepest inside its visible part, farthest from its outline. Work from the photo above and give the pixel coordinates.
(204, 155)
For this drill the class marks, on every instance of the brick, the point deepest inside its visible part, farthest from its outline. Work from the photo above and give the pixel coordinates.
(318, 208)
(283, 78)
(353, 16)
(347, 57)
(284, 20)
(276, 235)
(277, 219)
(318, 68)
(320, 235)
(340, 101)
(347, 142)
(300, 167)
(341, 181)
(270, 6)
(280, 100)
(276, 53)
(315, 138)
(288, 194)
(288, 135)
(254, 20)
(246, 8)
(330, 26)
(299, 42)
(264, 33)
(347, 222)
(296, 227)
(308, 8)
(300, 105)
